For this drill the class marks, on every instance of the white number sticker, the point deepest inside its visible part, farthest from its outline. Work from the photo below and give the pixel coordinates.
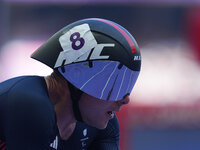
(75, 43)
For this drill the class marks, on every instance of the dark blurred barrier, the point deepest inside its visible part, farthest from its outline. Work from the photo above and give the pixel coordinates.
(145, 22)
(109, 1)
(2, 34)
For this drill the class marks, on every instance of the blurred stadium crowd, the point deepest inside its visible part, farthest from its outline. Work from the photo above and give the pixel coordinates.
(165, 107)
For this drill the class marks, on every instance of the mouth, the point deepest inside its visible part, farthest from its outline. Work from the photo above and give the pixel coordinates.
(111, 114)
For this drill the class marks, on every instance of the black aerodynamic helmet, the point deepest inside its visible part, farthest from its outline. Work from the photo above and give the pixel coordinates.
(97, 56)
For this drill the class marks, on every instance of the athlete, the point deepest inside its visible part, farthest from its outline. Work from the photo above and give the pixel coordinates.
(96, 63)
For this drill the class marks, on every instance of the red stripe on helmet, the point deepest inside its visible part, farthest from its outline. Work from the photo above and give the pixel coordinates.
(122, 32)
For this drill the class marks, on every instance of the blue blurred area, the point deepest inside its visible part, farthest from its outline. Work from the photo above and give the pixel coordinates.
(170, 139)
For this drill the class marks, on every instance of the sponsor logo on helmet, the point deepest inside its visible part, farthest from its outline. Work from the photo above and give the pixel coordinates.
(137, 58)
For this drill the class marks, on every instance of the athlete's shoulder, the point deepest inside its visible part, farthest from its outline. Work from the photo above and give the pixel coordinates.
(29, 116)
(28, 101)
(22, 83)
(6, 85)
(26, 92)
(24, 86)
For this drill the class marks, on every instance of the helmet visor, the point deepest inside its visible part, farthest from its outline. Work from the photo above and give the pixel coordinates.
(106, 80)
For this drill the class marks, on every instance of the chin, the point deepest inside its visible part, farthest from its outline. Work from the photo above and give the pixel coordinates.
(98, 125)
(101, 125)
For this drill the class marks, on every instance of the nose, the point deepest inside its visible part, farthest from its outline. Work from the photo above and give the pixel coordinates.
(124, 101)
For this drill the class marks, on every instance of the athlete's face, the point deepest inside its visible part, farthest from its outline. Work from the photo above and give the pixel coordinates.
(96, 112)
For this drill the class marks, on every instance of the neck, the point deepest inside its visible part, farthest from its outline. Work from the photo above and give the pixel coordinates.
(60, 97)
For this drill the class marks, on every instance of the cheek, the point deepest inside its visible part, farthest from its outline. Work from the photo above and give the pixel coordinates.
(87, 109)
(91, 112)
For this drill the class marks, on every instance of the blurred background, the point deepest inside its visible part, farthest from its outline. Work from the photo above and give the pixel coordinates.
(164, 113)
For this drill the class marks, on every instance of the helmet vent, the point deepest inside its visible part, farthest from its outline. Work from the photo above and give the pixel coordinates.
(62, 66)
(90, 64)
(120, 66)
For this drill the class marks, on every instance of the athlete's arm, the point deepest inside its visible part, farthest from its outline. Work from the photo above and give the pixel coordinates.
(107, 139)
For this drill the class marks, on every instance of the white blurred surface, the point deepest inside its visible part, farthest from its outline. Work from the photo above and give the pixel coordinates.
(15, 60)
(170, 75)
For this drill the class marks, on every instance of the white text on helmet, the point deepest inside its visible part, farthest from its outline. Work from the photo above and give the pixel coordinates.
(95, 53)
(137, 58)
(79, 44)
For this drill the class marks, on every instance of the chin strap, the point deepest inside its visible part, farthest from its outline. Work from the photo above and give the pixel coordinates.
(75, 96)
